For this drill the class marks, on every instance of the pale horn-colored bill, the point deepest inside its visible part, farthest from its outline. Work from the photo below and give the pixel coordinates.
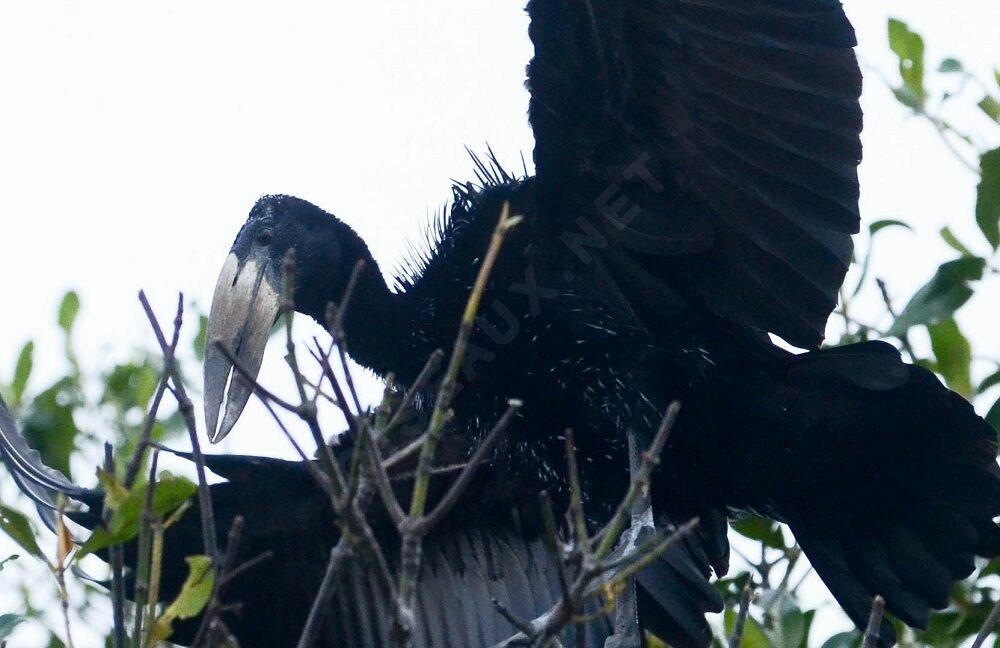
(244, 308)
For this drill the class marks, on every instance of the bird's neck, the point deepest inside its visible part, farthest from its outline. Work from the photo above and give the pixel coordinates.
(379, 326)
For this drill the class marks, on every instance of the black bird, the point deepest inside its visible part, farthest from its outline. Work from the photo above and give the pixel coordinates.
(695, 190)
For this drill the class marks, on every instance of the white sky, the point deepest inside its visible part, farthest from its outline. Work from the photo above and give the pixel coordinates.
(134, 137)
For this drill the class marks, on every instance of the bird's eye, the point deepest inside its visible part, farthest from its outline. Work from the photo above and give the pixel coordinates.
(264, 237)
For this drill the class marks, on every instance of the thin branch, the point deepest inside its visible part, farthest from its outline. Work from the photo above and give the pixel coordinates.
(338, 556)
(382, 483)
(904, 338)
(874, 623)
(430, 367)
(552, 541)
(639, 486)
(259, 390)
(116, 558)
(144, 556)
(187, 412)
(410, 553)
(505, 612)
(988, 626)
(146, 435)
(576, 494)
(741, 615)
(460, 485)
(436, 426)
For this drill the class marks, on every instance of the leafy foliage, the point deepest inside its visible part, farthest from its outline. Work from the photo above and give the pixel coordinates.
(776, 618)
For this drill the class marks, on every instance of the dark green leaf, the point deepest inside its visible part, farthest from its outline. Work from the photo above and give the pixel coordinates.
(880, 225)
(760, 530)
(988, 197)
(8, 559)
(843, 640)
(909, 48)
(793, 627)
(988, 382)
(950, 65)
(17, 526)
(954, 355)
(953, 242)
(68, 310)
(125, 522)
(908, 98)
(991, 107)
(993, 416)
(192, 598)
(753, 634)
(22, 372)
(130, 386)
(944, 294)
(7, 624)
(49, 424)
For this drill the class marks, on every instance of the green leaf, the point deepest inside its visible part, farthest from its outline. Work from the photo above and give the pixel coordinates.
(950, 66)
(991, 107)
(909, 48)
(49, 423)
(793, 627)
(880, 225)
(7, 624)
(843, 640)
(130, 386)
(193, 597)
(989, 382)
(8, 559)
(17, 526)
(68, 310)
(22, 372)
(988, 197)
(944, 294)
(949, 237)
(993, 416)
(200, 339)
(954, 355)
(761, 530)
(171, 492)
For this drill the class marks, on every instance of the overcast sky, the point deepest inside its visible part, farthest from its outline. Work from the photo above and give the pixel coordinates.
(135, 137)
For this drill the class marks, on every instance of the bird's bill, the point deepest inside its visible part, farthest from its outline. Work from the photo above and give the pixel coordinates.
(246, 303)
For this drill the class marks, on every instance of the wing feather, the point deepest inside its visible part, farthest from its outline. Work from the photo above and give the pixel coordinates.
(744, 118)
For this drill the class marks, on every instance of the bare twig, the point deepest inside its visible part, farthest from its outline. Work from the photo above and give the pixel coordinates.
(988, 626)
(422, 379)
(741, 615)
(459, 486)
(874, 623)
(338, 557)
(116, 558)
(904, 338)
(63, 546)
(187, 412)
(639, 486)
(144, 556)
(145, 436)
(412, 529)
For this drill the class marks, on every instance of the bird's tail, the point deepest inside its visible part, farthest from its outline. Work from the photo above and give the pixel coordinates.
(888, 480)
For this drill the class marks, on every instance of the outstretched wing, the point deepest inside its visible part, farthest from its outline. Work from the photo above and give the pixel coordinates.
(715, 143)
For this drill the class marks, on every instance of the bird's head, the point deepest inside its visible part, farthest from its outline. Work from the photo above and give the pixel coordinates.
(250, 289)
